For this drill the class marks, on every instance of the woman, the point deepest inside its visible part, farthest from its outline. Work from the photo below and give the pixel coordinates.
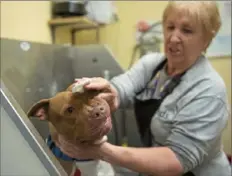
(187, 126)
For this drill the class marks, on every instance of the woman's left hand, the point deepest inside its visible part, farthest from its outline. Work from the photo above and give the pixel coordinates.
(79, 151)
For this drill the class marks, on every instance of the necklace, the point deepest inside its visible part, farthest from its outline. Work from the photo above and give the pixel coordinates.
(162, 87)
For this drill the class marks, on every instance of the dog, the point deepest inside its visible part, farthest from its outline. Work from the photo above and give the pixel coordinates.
(79, 117)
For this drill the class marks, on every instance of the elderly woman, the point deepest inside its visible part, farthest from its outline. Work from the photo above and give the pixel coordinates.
(182, 95)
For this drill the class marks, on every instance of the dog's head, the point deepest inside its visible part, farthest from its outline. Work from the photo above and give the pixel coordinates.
(81, 117)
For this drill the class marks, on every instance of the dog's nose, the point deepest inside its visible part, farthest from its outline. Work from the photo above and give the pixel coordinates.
(99, 112)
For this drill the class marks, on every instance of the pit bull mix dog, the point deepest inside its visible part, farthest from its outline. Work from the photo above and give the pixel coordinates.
(79, 117)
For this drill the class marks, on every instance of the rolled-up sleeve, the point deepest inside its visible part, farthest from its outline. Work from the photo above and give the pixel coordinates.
(196, 130)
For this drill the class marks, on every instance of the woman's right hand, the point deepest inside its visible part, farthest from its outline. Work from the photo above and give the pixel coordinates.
(109, 93)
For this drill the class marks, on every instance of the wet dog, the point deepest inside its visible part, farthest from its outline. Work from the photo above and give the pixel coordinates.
(79, 117)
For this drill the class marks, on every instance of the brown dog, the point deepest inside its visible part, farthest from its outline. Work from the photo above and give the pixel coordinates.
(79, 117)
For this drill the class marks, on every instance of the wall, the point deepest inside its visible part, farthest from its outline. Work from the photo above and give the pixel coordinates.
(223, 66)
(25, 20)
(28, 21)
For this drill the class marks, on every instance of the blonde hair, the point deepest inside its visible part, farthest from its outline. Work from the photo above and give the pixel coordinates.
(205, 13)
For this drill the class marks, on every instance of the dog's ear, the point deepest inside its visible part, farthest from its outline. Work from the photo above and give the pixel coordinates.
(39, 109)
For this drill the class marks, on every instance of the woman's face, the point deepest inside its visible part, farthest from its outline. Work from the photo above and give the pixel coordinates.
(184, 39)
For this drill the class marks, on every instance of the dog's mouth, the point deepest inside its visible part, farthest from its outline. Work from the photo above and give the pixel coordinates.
(107, 126)
(97, 128)
(100, 127)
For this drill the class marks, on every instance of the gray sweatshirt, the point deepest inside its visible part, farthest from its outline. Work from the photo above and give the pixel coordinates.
(190, 120)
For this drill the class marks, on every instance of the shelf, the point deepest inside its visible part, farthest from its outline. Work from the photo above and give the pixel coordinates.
(76, 23)
(59, 21)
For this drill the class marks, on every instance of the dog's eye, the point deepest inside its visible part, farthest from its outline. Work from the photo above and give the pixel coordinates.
(70, 109)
